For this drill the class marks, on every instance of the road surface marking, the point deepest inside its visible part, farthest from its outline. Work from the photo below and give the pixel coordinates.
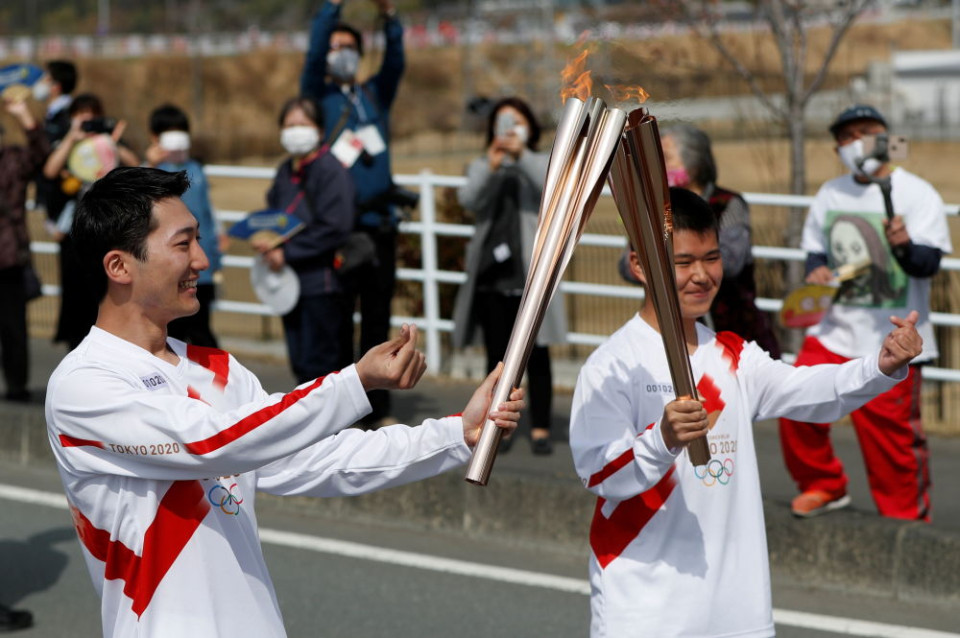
(783, 617)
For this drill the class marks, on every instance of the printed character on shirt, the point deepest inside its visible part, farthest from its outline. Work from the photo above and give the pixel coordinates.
(679, 550)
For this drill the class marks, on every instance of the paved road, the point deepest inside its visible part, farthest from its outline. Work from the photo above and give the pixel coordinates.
(326, 591)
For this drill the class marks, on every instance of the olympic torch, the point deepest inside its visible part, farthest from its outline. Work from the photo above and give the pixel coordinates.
(639, 184)
(587, 136)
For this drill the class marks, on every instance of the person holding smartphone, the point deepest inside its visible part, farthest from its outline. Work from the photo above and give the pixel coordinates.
(503, 191)
(904, 238)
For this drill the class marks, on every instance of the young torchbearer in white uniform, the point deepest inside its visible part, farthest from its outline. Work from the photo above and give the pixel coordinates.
(162, 446)
(679, 550)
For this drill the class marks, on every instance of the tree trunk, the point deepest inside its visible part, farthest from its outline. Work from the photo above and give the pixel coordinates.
(796, 127)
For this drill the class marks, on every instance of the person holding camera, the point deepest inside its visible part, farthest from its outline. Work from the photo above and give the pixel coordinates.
(905, 238)
(503, 191)
(356, 120)
(90, 149)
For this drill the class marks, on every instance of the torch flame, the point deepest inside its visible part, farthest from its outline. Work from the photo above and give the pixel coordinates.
(628, 93)
(576, 79)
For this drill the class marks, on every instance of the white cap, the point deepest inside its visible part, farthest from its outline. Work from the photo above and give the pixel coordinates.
(279, 290)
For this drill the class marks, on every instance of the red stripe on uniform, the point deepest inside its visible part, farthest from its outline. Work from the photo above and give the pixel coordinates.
(193, 393)
(610, 536)
(611, 468)
(732, 345)
(251, 422)
(710, 395)
(215, 360)
(179, 514)
(72, 441)
(614, 466)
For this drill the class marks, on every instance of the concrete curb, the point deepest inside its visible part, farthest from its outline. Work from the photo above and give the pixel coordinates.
(849, 550)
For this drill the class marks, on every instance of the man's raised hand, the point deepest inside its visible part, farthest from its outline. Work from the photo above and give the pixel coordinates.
(901, 345)
(393, 365)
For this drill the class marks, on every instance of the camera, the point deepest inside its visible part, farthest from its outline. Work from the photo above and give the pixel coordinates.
(403, 198)
(885, 147)
(98, 125)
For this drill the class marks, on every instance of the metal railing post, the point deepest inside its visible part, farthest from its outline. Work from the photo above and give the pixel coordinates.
(431, 276)
(428, 249)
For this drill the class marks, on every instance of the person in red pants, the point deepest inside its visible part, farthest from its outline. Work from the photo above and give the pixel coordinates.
(903, 236)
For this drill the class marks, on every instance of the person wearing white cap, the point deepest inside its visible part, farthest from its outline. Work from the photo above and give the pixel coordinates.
(896, 219)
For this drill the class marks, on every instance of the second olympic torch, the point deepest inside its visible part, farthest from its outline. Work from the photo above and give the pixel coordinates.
(639, 184)
(587, 136)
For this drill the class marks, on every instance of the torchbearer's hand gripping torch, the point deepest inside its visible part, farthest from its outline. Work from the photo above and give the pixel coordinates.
(583, 149)
(638, 180)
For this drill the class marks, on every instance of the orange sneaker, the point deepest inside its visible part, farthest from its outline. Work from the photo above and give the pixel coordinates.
(816, 502)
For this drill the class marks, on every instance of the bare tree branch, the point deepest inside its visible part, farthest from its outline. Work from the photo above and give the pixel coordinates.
(705, 26)
(841, 26)
(790, 22)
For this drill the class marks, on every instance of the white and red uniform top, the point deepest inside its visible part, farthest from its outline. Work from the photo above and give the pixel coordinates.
(845, 223)
(161, 464)
(679, 550)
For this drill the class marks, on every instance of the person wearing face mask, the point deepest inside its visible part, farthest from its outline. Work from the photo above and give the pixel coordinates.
(169, 150)
(314, 187)
(688, 158)
(503, 191)
(889, 427)
(55, 89)
(356, 119)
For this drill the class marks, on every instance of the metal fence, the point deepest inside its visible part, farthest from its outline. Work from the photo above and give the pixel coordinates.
(431, 277)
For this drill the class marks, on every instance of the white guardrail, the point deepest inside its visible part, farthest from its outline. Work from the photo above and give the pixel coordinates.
(431, 324)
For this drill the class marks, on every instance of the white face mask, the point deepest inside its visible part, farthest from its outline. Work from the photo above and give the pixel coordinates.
(342, 64)
(174, 141)
(851, 155)
(299, 140)
(41, 91)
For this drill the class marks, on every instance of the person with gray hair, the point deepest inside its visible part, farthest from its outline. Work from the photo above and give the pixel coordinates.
(690, 164)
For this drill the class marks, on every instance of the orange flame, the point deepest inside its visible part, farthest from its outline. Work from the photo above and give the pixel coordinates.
(628, 93)
(576, 79)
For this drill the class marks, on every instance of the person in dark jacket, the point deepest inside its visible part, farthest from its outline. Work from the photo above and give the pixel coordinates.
(503, 191)
(313, 186)
(18, 165)
(356, 120)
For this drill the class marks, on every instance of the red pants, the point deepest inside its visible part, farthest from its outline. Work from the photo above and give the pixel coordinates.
(891, 439)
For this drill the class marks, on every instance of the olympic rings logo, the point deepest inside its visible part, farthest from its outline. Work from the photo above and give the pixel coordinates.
(225, 499)
(715, 471)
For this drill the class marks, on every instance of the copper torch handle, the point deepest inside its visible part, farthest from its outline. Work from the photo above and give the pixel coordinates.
(698, 449)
